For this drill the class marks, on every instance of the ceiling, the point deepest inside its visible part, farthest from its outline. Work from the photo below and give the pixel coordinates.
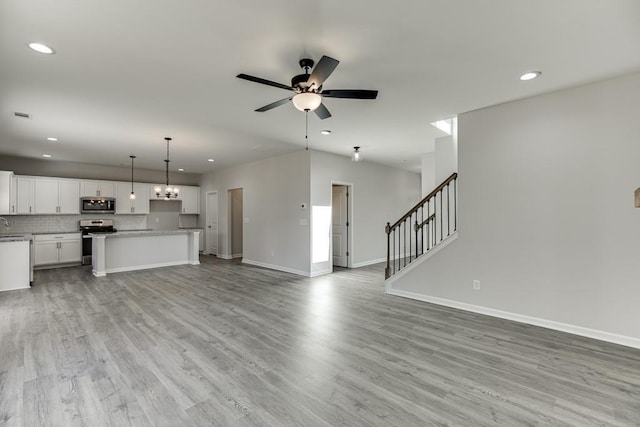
(128, 73)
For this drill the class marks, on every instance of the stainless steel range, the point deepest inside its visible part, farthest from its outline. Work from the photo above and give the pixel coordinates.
(88, 226)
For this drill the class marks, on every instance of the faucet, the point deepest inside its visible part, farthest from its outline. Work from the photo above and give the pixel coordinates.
(6, 223)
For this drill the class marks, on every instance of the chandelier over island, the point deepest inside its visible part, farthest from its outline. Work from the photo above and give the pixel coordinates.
(169, 191)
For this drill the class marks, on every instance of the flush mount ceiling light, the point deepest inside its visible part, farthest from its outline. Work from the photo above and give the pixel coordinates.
(307, 101)
(46, 156)
(41, 48)
(530, 75)
(180, 170)
(325, 132)
(210, 160)
(356, 156)
(169, 191)
(132, 196)
(52, 139)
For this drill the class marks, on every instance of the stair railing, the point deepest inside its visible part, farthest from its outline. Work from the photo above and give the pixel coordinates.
(427, 224)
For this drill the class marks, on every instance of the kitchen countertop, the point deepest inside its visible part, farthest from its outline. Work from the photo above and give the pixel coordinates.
(15, 237)
(58, 232)
(142, 233)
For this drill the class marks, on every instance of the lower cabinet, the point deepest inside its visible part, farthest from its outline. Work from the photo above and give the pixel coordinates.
(52, 249)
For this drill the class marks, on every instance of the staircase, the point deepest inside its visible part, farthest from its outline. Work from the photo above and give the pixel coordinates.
(423, 228)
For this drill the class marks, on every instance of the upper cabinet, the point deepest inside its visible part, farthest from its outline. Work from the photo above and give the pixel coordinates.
(126, 205)
(190, 200)
(92, 188)
(53, 195)
(5, 192)
(25, 195)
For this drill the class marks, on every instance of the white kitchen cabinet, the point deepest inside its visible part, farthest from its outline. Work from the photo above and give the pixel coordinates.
(190, 200)
(139, 205)
(92, 188)
(52, 249)
(54, 196)
(25, 195)
(5, 192)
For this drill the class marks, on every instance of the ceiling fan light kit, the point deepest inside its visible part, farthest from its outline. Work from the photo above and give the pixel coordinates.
(307, 101)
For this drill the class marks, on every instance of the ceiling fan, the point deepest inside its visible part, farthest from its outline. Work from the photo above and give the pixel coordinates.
(307, 88)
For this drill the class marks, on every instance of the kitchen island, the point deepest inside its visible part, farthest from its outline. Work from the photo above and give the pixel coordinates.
(139, 250)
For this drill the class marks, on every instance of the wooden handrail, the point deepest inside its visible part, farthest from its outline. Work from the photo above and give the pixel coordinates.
(423, 201)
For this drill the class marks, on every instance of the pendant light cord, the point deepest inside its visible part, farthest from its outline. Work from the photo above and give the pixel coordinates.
(306, 132)
(167, 162)
(132, 157)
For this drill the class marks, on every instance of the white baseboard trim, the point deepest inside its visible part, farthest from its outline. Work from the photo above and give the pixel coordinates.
(276, 267)
(440, 246)
(369, 262)
(146, 266)
(549, 324)
(223, 256)
(234, 256)
(320, 273)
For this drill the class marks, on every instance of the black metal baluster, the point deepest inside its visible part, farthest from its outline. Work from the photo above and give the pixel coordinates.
(387, 270)
(455, 204)
(448, 213)
(441, 205)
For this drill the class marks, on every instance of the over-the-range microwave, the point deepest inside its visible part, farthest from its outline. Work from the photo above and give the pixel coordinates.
(97, 205)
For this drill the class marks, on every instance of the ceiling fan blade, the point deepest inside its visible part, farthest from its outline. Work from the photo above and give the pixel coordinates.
(322, 71)
(273, 105)
(351, 93)
(263, 81)
(322, 112)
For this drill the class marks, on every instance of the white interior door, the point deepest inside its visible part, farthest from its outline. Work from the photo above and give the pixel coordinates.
(211, 229)
(340, 225)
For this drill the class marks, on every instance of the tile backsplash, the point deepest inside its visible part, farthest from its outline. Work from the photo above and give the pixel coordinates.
(67, 223)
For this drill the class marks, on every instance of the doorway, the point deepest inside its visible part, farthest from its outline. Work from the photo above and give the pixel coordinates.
(341, 225)
(236, 222)
(211, 226)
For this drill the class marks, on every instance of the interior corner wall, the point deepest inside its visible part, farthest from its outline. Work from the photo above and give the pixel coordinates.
(273, 189)
(380, 194)
(428, 173)
(446, 158)
(546, 215)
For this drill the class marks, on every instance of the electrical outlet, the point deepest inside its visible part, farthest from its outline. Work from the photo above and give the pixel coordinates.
(476, 285)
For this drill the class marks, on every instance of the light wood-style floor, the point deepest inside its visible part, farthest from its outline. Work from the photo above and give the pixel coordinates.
(229, 344)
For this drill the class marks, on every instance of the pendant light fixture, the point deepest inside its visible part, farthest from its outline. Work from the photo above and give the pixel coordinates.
(132, 196)
(169, 191)
(356, 156)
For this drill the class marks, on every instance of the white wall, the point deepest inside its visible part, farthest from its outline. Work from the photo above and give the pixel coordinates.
(546, 215)
(380, 194)
(428, 173)
(446, 158)
(272, 192)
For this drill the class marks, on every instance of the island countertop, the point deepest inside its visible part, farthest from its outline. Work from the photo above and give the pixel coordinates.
(143, 233)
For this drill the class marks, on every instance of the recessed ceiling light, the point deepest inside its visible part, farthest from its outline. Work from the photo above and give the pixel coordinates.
(52, 139)
(46, 156)
(325, 132)
(180, 170)
(41, 48)
(210, 160)
(530, 75)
